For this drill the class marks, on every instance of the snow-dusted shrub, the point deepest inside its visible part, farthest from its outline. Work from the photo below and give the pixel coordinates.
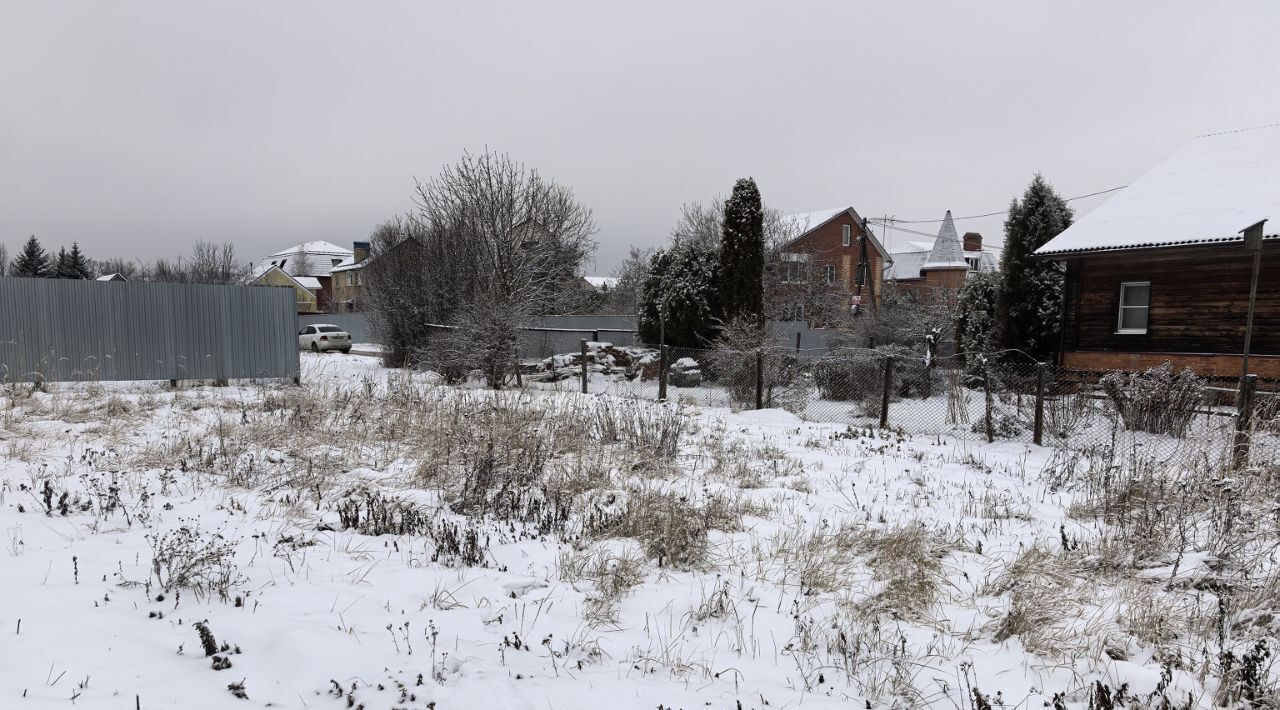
(1158, 401)
(851, 379)
(190, 558)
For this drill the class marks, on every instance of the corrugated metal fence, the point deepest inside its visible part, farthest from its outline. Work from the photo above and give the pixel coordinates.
(64, 330)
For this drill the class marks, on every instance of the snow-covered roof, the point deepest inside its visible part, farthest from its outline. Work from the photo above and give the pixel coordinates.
(310, 283)
(308, 258)
(1206, 192)
(111, 277)
(600, 282)
(947, 251)
(349, 264)
(907, 264)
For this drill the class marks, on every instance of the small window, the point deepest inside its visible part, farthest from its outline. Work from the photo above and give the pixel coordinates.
(831, 273)
(336, 261)
(282, 261)
(350, 282)
(1135, 302)
(794, 272)
(846, 235)
(359, 278)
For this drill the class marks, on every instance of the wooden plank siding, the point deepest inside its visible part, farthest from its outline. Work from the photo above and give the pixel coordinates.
(1199, 300)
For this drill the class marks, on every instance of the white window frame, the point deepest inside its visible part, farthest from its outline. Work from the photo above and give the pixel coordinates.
(350, 279)
(359, 278)
(846, 235)
(1120, 329)
(831, 273)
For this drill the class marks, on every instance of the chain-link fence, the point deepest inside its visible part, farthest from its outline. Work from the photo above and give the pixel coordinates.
(1160, 414)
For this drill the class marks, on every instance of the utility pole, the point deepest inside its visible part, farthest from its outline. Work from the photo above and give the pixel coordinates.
(1252, 242)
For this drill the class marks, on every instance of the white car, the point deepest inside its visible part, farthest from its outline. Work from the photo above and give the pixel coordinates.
(323, 336)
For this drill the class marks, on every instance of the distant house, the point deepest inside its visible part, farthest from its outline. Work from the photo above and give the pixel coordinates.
(830, 252)
(348, 279)
(111, 277)
(942, 264)
(1159, 272)
(603, 284)
(311, 260)
(307, 288)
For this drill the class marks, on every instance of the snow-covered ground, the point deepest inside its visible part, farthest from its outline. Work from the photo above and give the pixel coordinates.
(375, 539)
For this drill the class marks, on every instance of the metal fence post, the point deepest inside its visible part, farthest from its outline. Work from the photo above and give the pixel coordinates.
(986, 388)
(759, 379)
(884, 394)
(584, 365)
(1039, 430)
(664, 357)
(1244, 417)
(797, 342)
(595, 336)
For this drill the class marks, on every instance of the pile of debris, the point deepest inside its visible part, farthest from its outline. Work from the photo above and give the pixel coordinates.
(629, 362)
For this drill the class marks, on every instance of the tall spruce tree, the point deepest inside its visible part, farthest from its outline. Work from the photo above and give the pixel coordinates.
(78, 266)
(61, 266)
(1030, 301)
(741, 283)
(32, 261)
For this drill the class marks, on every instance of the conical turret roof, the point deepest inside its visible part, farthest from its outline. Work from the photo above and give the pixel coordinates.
(947, 252)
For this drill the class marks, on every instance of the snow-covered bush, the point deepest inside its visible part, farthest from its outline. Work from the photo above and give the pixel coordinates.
(1158, 401)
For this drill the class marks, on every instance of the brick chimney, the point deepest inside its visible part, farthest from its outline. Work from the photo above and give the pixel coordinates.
(361, 250)
(972, 241)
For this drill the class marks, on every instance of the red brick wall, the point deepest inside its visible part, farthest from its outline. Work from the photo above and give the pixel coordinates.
(825, 247)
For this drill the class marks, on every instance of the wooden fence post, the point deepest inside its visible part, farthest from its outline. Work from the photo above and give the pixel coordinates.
(664, 358)
(885, 392)
(584, 365)
(759, 379)
(1039, 430)
(1244, 419)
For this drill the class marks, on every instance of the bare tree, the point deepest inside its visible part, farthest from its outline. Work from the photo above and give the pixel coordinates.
(211, 263)
(631, 275)
(492, 245)
(4, 260)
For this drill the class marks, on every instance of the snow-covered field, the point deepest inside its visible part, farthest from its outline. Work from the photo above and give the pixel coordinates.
(374, 539)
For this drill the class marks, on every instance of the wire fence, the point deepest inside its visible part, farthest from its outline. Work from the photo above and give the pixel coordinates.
(988, 399)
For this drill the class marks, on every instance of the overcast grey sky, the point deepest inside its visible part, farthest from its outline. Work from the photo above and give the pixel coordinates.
(138, 128)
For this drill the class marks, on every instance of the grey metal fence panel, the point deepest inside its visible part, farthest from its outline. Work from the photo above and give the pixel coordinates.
(64, 330)
(358, 325)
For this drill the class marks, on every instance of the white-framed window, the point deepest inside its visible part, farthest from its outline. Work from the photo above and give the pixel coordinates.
(1135, 302)
(846, 235)
(831, 273)
(359, 278)
(350, 279)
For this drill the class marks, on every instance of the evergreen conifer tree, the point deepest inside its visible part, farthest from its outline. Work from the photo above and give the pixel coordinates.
(32, 261)
(1030, 302)
(78, 266)
(62, 266)
(679, 301)
(741, 282)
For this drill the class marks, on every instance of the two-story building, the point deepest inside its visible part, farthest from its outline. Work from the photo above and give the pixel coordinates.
(833, 262)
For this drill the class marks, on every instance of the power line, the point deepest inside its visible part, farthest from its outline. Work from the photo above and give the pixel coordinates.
(988, 214)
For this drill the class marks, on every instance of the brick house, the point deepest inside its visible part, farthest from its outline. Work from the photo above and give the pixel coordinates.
(833, 262)
(1159, 273)
(940, 266)
(348, 280)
